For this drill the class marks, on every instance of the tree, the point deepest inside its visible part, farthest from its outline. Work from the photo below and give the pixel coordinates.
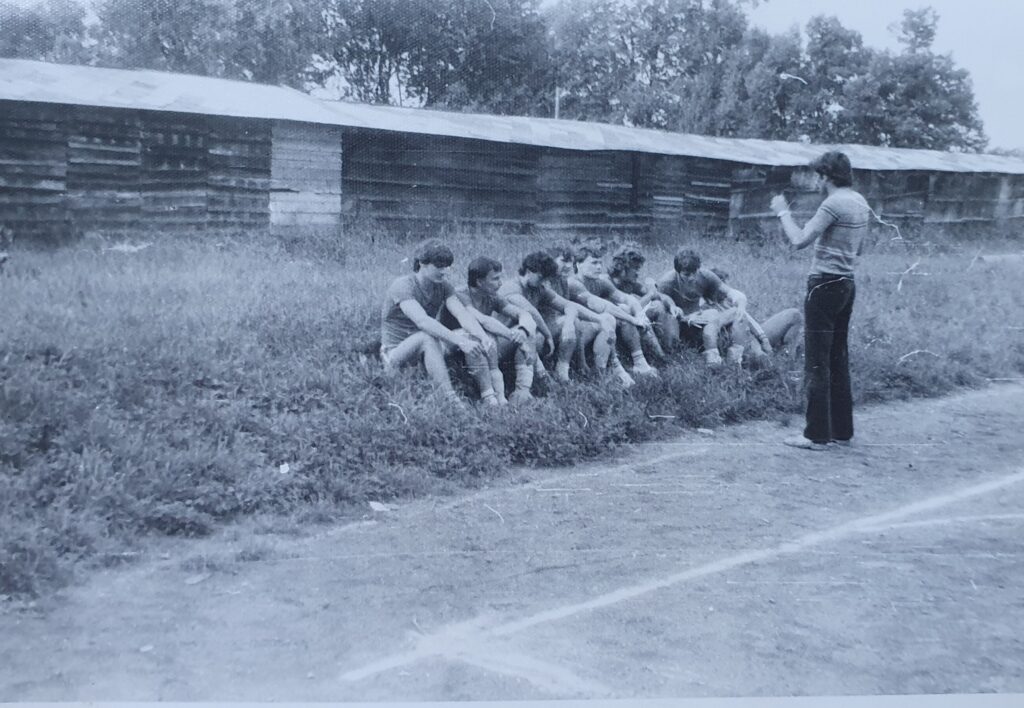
(916, 32)
(190, 36)
(655, 63)
(53, 30)
(916, 99)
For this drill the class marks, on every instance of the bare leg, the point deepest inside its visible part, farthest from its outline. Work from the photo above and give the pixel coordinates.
(416, 347)
(782, 327)
(604, 343)
(566, 336)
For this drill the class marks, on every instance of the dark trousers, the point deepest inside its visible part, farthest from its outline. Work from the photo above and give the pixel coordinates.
(827, 310)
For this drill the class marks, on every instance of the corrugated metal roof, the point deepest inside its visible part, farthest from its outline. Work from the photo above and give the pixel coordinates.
(22, 80)
(154, 90)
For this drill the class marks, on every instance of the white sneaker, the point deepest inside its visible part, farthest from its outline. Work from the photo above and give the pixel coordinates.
(804, 444)
(713, 358)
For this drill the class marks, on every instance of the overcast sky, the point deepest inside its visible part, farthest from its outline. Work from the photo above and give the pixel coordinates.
(984, 37)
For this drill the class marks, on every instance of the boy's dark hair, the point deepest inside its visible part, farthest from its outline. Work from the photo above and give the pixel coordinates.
(480, 268)
(539, 262)
(686, 261)
(835, 166)
(562, 250)
(591, 247)
(626, 256)
(434, 252)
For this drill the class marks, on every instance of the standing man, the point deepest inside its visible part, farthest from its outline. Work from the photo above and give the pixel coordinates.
(837, 231)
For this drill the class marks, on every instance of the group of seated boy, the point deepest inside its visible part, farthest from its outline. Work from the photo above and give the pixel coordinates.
(564, 313)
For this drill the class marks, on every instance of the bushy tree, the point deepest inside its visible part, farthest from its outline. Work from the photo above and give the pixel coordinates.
(915, 99)
(53, 30)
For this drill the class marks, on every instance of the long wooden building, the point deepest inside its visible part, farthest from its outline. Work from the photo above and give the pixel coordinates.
(85, 149)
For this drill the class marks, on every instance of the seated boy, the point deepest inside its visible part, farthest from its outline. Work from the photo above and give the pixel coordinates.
(661, 312)
(686, 284)
(512, 327)
(410, 331)
(631, 319)
(759, 340)
(554, 316)
(596, 321)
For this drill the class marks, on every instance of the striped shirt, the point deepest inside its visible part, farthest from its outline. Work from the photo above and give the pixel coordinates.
(843, 220)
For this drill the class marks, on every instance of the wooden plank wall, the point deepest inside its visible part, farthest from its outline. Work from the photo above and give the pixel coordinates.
(104, 170)
(238, 178)
(676, 189)
(903, 197)
(33, 171)
(305, 177)
(414, 183)
(174, 172)
(68, 171)
(589, 192)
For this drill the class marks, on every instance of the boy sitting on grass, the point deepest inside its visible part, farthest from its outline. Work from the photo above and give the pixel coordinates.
(631, 320)
(686, 284)
(410, 331)
(760, 340)
(512, 327)
(554, 316)
(595, 323)
(627, 260)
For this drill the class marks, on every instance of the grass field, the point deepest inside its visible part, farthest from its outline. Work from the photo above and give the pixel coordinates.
(161, 391)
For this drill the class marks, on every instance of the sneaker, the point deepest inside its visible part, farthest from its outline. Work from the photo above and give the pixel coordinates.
(624, 378)
(843, 443)
(804, 444)
(520, 396)
(645, 369)
(713, 358)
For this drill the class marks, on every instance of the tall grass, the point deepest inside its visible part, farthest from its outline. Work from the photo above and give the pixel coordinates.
(162, 391)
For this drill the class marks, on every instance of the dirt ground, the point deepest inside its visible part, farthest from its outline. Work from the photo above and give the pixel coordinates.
(719, 563)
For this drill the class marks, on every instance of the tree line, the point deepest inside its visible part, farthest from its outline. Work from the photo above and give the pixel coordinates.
(695, 66)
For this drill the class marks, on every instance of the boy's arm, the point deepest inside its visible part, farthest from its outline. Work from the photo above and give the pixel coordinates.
(601, 305)
(523, 318)
(415, 312)
(468, 321)
(523, 304)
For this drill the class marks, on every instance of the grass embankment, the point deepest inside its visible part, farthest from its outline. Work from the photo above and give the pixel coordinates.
(161, 391)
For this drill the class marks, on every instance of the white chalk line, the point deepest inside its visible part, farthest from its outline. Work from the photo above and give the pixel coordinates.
(441, 642)
(948, 520)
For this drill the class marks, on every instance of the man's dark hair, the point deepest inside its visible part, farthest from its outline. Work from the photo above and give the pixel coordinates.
(434, 252)
(686, 261)
(539, 262)
(563, 251)
(626, 256)
(480, 268)
(591, 247)
(835, 166)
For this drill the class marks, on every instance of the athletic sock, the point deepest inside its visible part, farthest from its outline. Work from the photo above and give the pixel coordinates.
(562, 371)
(524, 377)
(498, 382)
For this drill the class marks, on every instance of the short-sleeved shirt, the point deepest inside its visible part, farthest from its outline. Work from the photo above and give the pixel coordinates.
(484, 302)
(395, 327)
(845, 215)
(687, 292)
(571, 288)
(602, 286)
(630, 287)
(541, 297)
